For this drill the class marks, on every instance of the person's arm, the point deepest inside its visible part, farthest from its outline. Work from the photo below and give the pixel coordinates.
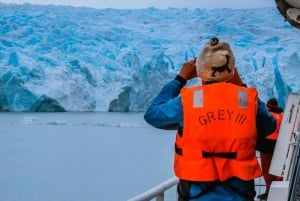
(165, 111)
(265, 122)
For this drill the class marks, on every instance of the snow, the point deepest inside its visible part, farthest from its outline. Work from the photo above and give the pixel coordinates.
(63, 58)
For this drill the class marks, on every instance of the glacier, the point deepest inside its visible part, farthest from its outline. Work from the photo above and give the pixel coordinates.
(64, 58)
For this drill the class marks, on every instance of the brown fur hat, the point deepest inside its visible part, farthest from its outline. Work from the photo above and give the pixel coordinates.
(216, 62)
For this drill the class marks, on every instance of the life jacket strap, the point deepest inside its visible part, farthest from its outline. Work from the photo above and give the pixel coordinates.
(206, 154)
(178, 150)
(227, 155)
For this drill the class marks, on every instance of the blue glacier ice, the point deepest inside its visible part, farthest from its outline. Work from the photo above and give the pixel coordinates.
(63, 58)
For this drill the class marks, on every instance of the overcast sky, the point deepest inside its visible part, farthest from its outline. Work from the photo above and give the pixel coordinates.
(132, 4)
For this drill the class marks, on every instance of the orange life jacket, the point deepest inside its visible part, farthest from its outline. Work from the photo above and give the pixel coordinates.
(278, 117)
(219, 133)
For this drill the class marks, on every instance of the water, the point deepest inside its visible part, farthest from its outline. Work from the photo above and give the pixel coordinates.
(81, 156)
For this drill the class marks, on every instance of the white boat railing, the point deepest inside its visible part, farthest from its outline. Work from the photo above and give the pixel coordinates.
(157, 192)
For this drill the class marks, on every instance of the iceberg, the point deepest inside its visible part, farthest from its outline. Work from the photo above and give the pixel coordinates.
(64, 58)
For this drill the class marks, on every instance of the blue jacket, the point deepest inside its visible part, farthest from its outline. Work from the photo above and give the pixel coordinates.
(165, 112)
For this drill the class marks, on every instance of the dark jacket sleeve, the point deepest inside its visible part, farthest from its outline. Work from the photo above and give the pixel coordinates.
(165, 111)
(265, 123)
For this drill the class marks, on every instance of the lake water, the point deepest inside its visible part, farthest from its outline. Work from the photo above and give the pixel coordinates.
(81, 156)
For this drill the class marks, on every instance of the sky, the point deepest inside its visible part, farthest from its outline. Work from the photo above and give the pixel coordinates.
(135, 4)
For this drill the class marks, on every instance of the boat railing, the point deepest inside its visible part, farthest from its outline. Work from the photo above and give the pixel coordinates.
(157, 192)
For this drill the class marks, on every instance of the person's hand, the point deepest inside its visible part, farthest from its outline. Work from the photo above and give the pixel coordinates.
(188, 70)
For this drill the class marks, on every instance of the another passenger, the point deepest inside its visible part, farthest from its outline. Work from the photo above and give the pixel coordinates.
(266, 147)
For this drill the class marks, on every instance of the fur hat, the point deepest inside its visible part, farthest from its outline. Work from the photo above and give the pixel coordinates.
(216, 62)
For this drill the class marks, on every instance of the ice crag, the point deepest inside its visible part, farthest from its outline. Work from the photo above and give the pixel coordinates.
(59, 58)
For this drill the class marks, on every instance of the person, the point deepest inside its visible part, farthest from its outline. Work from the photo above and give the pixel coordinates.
(266, 147)
(217, 123)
